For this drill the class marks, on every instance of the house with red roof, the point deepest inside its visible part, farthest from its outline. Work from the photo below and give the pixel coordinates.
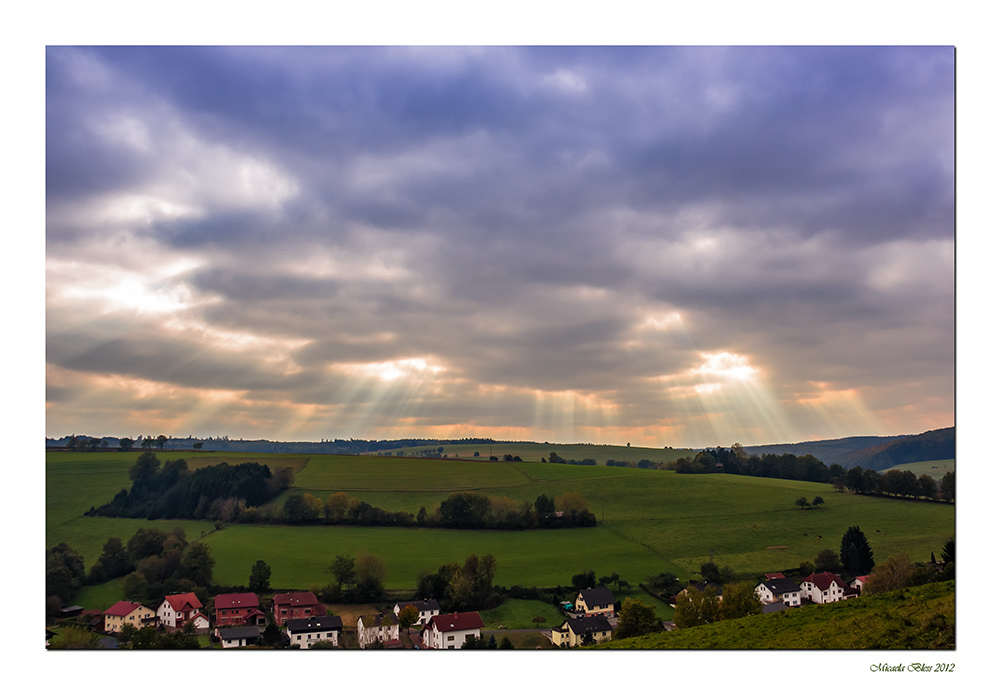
(296, 606)
(823, 587)
(448, 631)
(858, 583)
(238, 609)
(125, 612)
(177, 610)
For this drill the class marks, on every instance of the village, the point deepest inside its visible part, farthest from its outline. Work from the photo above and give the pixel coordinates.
(299, 620)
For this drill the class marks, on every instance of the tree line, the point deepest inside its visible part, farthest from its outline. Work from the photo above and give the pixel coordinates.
(460, 510)
(808, 468)
(898, 483)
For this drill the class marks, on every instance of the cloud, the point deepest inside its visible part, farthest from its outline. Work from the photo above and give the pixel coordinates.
(558, 234)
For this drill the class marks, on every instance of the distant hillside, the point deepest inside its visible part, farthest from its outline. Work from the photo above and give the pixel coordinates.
(830, 451)
(913, 618)
(938, 444)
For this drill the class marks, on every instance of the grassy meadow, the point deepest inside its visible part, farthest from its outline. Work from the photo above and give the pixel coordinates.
(534, 452)
(933, 468)
(648, 520)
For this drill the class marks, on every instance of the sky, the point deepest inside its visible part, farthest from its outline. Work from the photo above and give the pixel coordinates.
(688, 246)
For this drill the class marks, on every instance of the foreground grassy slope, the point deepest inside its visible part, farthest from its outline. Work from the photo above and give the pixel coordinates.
(649, 521)
(913, 618)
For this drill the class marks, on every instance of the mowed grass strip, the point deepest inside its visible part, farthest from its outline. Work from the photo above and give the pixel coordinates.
(373, 473)
(301, 556)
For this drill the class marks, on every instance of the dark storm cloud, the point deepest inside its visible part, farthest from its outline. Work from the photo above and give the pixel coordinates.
(550, 220)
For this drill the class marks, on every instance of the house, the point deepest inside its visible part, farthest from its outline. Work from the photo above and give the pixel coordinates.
(296, 606)
(448, 631)
(378, 628)
(858, 583)
(425, 608)
(594, 601)
(237, 637)
(238, 609)
(823, 587)
(576, 632)
(306, 632)
(124, 612)
(783, 590)
(178, 609)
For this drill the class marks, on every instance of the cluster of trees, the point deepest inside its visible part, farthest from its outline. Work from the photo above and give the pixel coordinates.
(356, 579)
(696, 607)
(636, 618)
(462, 587)
(897, 571)
(803, 503)
(153, 562)
(218, 492)
(898, 483)
(464, 510)
(735, 461)
(589, 579)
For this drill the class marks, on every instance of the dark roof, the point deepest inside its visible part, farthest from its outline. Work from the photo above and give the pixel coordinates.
(592, 597)
(782, 585)
(700, 587)
(239, 633)
(314, 624)
(586, 625)
(421, 605)
(457, 621)
(774, 607)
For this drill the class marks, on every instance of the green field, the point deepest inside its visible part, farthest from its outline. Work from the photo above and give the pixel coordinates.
(534, 452)
(934, 468)
(648, 520)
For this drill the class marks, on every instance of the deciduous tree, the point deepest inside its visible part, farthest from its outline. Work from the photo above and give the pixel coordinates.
(892, 574)
(696, 607)
(637, 618)
(739, 600)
